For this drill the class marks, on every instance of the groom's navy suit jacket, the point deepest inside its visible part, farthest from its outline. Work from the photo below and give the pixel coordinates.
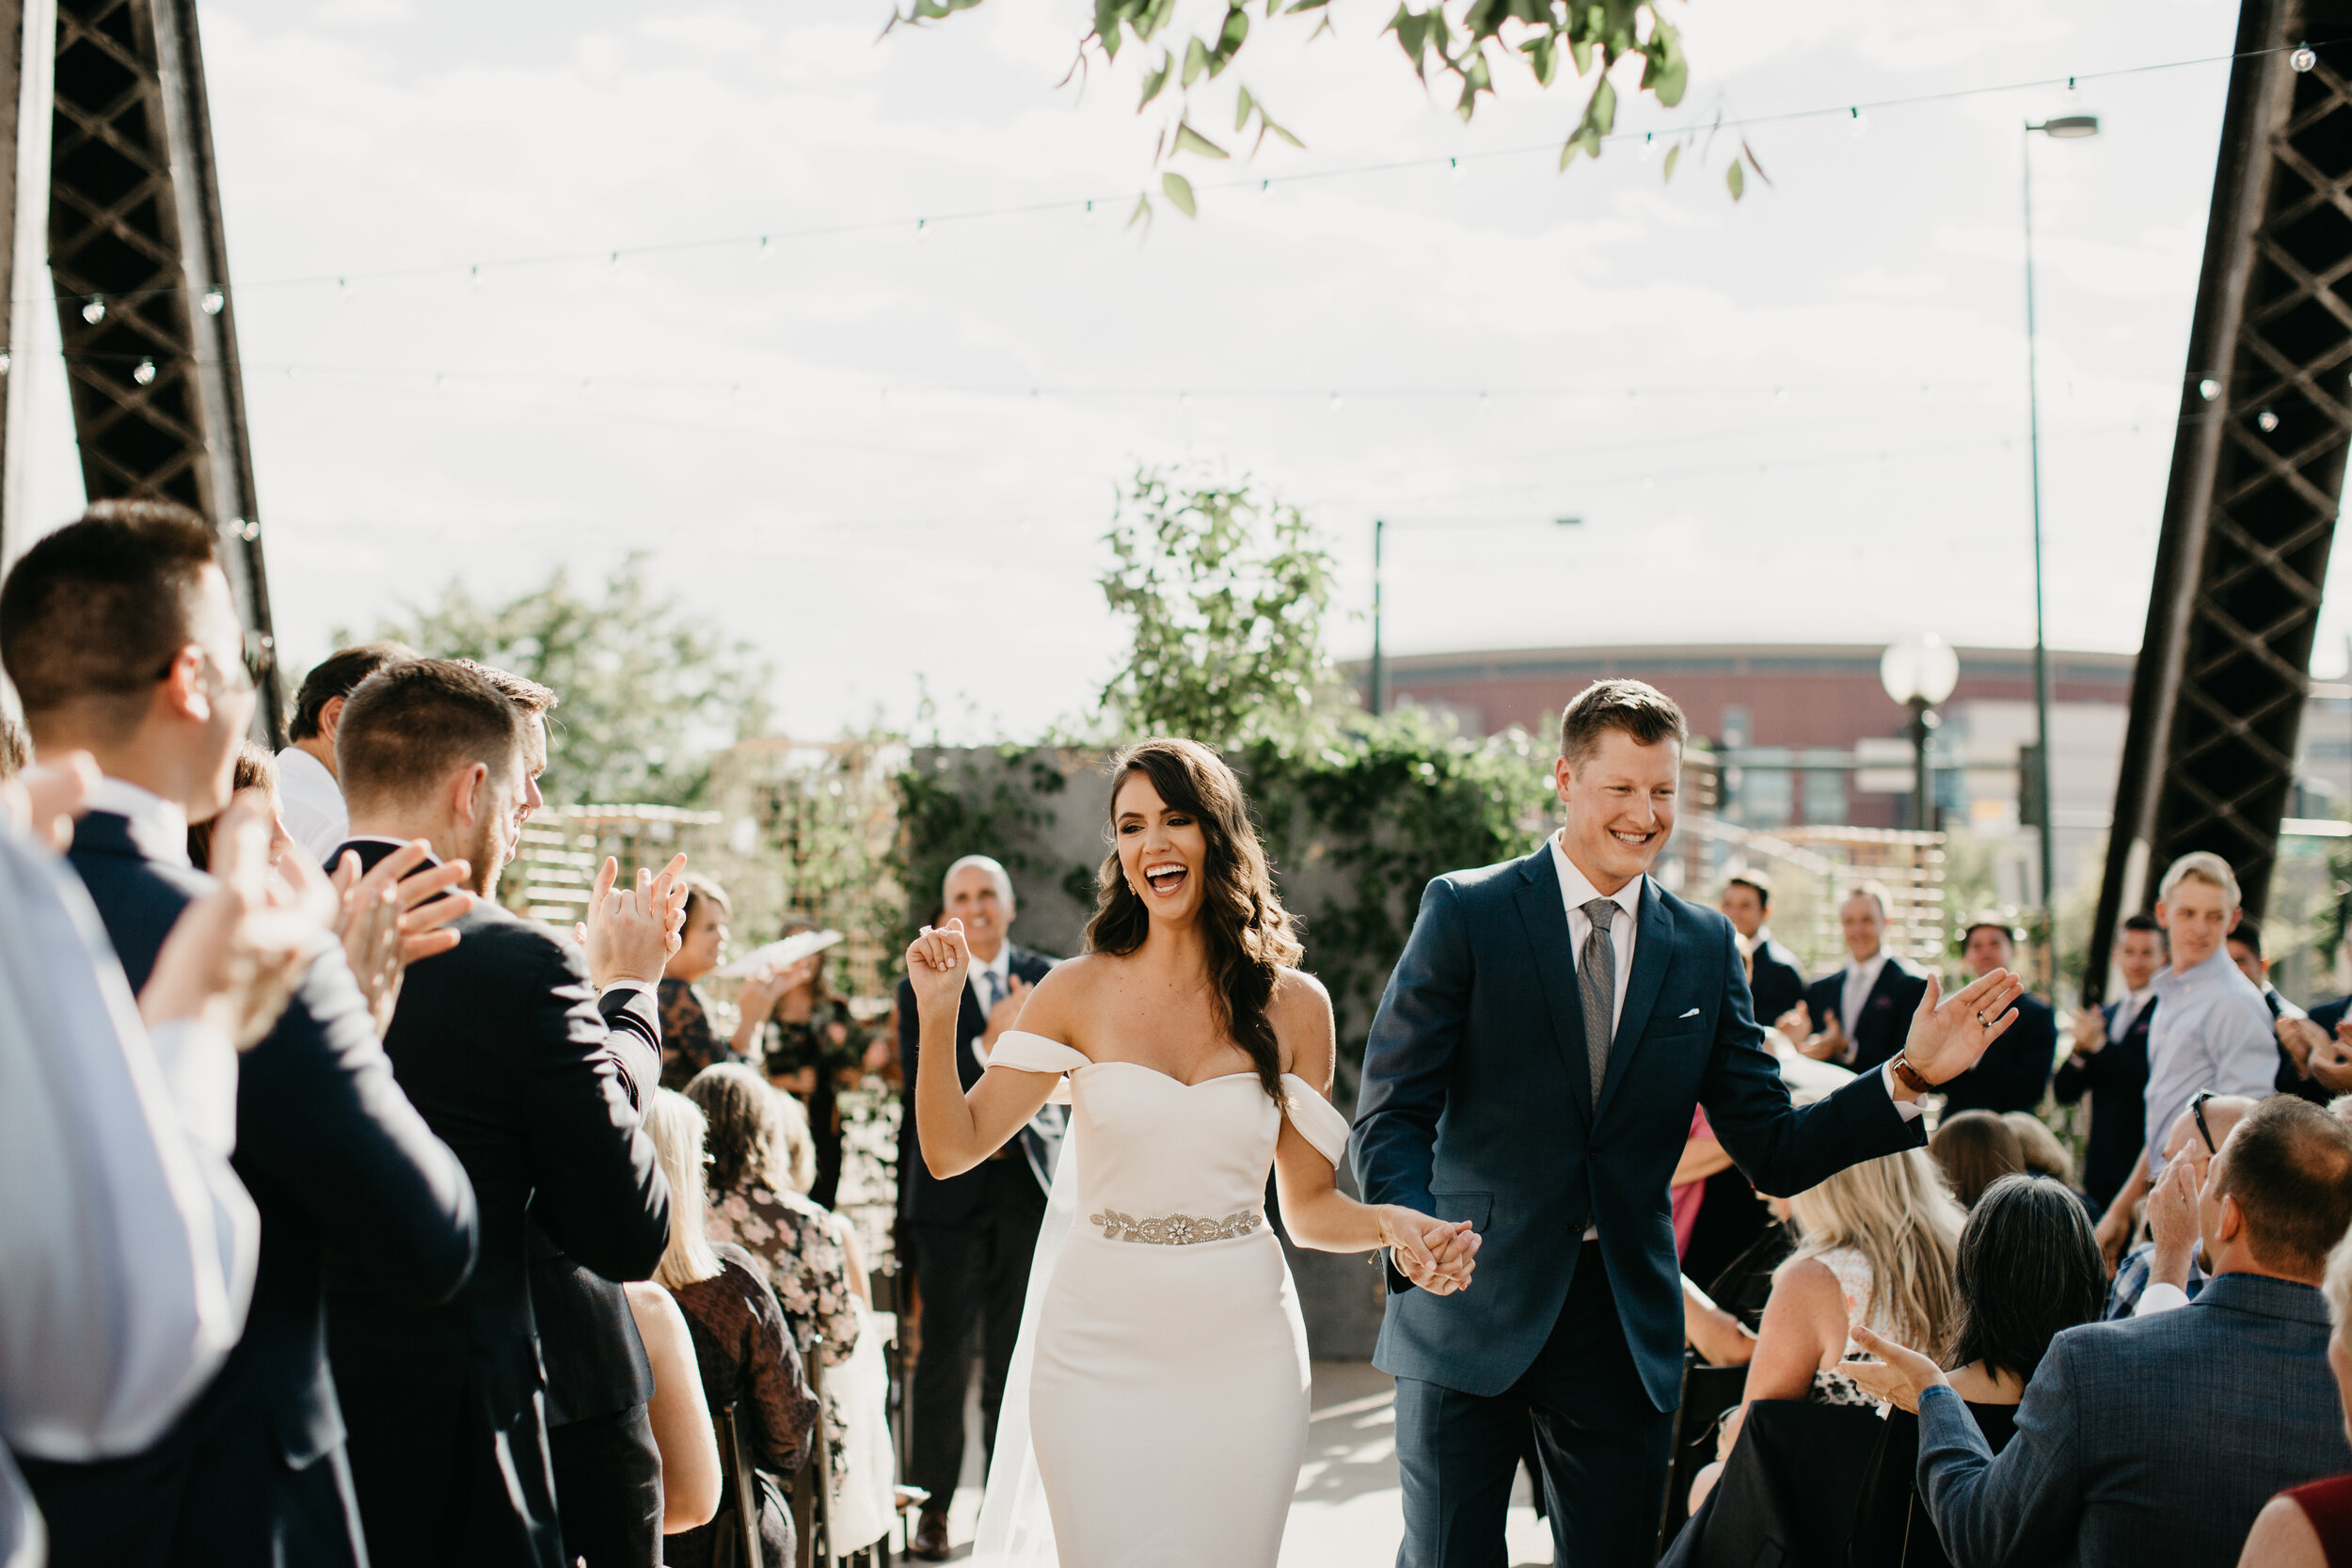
(1477, 1104)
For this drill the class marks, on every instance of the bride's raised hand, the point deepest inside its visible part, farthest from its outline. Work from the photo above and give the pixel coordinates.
(937, 961)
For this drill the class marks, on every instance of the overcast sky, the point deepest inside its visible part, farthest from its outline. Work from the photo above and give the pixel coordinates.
(887, 453)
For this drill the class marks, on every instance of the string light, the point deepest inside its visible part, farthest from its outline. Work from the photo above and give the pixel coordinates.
(2268, 421)
(94, 310)
(2209, 389)
(214, 302)
(145, 374)
(2304, 58)
(1857, 115)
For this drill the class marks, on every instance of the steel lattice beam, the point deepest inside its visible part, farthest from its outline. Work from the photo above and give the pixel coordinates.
(2258, 468)
(141, 266)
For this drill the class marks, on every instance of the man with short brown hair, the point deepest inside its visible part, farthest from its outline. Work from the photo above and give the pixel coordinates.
(310, 801)
(1545, 1035)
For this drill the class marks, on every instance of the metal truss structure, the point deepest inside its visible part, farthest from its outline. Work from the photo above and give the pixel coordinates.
(2258, 468)
(141, 270)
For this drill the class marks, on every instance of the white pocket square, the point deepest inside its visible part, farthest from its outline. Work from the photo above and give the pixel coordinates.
(1692, 1013)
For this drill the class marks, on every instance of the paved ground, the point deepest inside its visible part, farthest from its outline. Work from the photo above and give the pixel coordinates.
(1346, 1514)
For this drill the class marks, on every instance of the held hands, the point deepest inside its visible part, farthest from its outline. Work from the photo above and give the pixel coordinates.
(1900, 1374)
(937, 961)
(1946, 1041)
(1436, 1254)
(631, 931)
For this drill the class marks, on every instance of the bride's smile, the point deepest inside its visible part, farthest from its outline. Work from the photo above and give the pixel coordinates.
(1160, 846)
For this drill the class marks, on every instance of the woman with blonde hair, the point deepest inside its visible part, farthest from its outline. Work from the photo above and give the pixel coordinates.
(1877, 1248)
(741, 1344)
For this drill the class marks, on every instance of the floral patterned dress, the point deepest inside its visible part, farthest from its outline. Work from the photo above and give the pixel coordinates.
(793, 1239)
(1854, 1283)
(689, 1044)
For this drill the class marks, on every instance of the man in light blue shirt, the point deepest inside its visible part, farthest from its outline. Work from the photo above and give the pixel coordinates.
(2213, 1030)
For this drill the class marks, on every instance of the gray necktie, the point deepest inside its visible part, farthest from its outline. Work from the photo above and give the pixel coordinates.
(1597, 979)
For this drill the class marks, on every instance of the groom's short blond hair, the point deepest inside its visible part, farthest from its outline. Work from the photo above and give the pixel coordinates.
(1637, 707)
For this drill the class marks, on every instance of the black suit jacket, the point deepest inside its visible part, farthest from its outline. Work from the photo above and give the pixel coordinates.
(1884, 1023)
(1776, 984)
(923, 1197)
(334, 1155)
(2015, 1069)
(2117, 1081)
(505, 1048)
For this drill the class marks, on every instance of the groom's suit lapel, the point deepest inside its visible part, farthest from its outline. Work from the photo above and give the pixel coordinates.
(1653, 953)
(1554, 960)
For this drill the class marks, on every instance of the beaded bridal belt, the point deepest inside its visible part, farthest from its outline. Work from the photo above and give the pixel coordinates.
(1174, 1229)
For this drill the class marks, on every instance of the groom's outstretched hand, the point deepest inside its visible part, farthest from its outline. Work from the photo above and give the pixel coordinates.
(1947, 1035)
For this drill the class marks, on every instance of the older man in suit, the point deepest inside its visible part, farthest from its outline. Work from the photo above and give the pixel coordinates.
(1544, 1038)
(974, 1234)
(529, 1055)
(120, 636)
(1856, 1016)
(2159, 1438)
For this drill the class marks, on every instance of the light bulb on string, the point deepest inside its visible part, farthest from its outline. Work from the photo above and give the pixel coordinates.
(1338, 403)
(2268, 421)
(1480, 406)
(1455, 171)
(1266, 187)
(144, 373)
(1649, 144)
(2074, 93)
(342, 289)
(214, 302)
(922, 228)
(1184, 400)
(1858, 121)
(1780, 394)
(1087, 218)
(766, 252)
(2304, 58)
(94, 309)
(7, 360)
(2209, 389)
(474, 277)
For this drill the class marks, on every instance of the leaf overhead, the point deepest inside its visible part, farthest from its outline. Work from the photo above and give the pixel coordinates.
(1190, 140)
(1179, 191)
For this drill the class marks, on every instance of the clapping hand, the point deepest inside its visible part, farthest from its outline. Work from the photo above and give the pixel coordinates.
(937, 961)
(44, 800)
(763, 991)
(630, 932)
(389, 919)
(1796, 1025)
(2172, 1223)
(234, 955)
(2091, 1031)
(1947, 1035)
(1899, 1375)
(1008, 1009)
(1436, 1254)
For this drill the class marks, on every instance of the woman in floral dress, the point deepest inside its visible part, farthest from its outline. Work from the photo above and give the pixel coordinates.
(754, 1204)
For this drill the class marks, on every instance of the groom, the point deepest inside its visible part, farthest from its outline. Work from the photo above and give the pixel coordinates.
(1532, 1069)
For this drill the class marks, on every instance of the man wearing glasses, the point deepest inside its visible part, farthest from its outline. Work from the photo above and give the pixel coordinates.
(2165, 1271)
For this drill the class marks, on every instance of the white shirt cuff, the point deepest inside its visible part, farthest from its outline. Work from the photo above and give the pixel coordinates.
(1910, 1110)
(2160, 1296)
(638, 986)
(200, 1064)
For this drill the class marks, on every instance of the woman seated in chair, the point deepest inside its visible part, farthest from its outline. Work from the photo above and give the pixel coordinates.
(2030, 1269)
(1876, 1250)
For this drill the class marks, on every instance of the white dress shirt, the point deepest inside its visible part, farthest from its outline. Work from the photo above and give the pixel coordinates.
(1576, 890)
(1862, 975)
(998, 974)
(2127, 1012)
(311, 804)
(127, 1245)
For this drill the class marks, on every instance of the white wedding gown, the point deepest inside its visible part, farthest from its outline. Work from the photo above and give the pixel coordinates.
(1161, 1379)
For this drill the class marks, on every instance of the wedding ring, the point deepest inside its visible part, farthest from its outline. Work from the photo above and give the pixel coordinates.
(1982, 1021)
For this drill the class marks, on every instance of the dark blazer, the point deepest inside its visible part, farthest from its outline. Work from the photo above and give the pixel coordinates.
(335, 1156)
(1477, 1104)
(2015, 1069)
(1884, 1022)
(923, 1197)
(2145, 1440)
(507, 1051)
(1777, 984)
(2117, 1081)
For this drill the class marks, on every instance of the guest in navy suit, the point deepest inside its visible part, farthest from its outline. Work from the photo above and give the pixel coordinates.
(1774, 982)
(2110, 1063)
(2016, 1071)
(2159, 1438)
(1532, 1068)
(530, 1056)
(1856, 1016)
(121, 638)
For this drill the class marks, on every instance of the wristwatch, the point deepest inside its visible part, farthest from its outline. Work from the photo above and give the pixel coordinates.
(1913, 1078)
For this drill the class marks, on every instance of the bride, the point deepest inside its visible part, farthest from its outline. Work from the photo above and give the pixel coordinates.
(1169, 1390)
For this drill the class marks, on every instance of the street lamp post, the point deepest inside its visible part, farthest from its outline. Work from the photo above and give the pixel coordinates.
(1379, 528)
(1920, 672)
(2063, 128)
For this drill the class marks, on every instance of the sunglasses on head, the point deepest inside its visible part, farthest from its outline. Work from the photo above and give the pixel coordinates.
(2197, 1109)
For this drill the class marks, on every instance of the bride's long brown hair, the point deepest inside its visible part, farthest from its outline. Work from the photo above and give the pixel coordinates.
(1249, 936)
